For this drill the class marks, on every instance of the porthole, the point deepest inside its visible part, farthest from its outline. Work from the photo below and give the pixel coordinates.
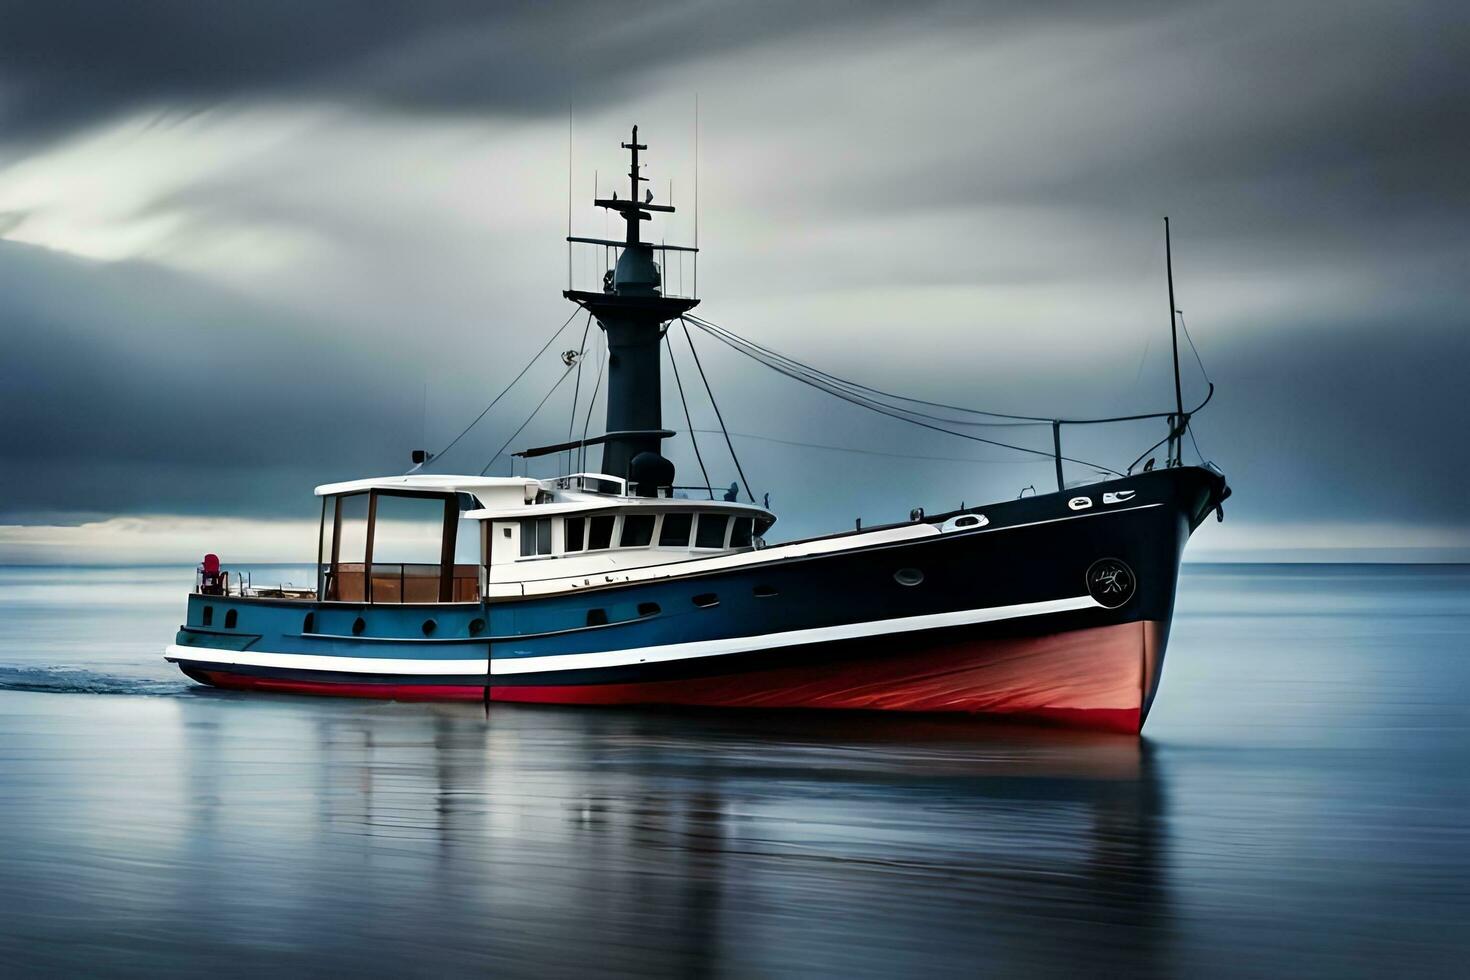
(429, 627)
(477, 626)
(208, 615)
(231, 617)
(764, 592)
(308, 625)
(597, 617)
(358, 625)
(646, 609)
(706, 600)
(908, 576)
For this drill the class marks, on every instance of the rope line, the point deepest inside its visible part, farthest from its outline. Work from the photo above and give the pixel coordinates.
(710, 391)
(517, 432)
(1187, 337)
(864, 396)
(896, 413)
(1197, 452)
(591, 403)
(688, 420)
(577, 390)
(734, 339)
(792, 367)
(868, 452)
(507, 388)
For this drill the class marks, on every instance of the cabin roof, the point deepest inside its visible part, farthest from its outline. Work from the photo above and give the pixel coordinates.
(506, 496)
(594, 503)
(484, 487)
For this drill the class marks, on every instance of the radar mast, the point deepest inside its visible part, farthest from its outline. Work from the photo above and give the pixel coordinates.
(632, 309)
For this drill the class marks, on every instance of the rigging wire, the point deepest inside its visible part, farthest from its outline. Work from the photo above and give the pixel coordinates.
(734, 339)
(710, 391)
(1142, 360)
(850, 391)
(1150, 449)
(517, 432)
(1187, 337)
(793, 367)
(591, 403)
(1197, 452)
(868, 452)
(687, 419)
(896, 413)
(577, 388)
(1200, 361)
(1182, 426)
(507, 388)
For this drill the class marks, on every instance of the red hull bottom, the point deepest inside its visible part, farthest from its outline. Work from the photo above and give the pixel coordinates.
(1100, 679)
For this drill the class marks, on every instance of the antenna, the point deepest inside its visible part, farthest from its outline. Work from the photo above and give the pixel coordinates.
(569, 194)
(1176, 433)
(696, 194)
(422, 456)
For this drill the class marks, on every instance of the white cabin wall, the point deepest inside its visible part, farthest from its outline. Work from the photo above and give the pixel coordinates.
(504, 548)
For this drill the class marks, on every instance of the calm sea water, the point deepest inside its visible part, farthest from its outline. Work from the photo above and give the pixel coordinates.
(1299, 805)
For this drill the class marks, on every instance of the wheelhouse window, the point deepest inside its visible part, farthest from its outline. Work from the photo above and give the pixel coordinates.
(600, 532)
(740, 532)
(469, 545)
(710, 531)
(344, 548)
(352, 524)
(535, 537)
(637, 531)
(398, 546)
(675, 531)
(408, 548)
(574, 533)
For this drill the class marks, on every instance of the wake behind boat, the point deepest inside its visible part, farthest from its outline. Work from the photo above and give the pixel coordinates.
(616, 587)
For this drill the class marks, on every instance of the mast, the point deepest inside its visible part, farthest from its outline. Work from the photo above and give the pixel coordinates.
(1177, 423)
(631, 310)
(633, 178)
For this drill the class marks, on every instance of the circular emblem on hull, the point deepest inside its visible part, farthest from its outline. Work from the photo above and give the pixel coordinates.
(1111, 582)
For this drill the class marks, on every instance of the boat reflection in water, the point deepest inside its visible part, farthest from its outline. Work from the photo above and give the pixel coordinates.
(670, 842)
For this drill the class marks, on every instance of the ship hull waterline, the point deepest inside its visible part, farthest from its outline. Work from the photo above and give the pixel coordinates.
(1099, 678)
(1005, 623)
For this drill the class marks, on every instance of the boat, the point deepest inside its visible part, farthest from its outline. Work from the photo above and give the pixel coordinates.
(615, 585)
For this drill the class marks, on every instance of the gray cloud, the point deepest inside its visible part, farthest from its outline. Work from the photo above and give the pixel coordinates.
(68, 64)
(131, 389)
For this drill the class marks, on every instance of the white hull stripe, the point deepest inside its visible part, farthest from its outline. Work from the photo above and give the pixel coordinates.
(821, 634)
(305, 661)
(636, 655)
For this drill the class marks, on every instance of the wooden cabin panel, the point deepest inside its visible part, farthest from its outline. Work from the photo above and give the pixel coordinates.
(466, 583)
(349, 583)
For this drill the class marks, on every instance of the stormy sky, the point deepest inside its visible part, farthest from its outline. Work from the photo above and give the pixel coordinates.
(249, 248)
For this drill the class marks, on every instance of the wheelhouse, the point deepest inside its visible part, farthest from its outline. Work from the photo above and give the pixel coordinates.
(447, 539)
(587, 524)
